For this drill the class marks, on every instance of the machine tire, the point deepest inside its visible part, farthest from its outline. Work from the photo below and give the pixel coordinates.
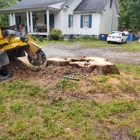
(5, 72)
(40, 60)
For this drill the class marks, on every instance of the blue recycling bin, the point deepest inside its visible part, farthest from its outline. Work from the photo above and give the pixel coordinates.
(128, 37)
(103, 37)
(131, 37)
(71, 37)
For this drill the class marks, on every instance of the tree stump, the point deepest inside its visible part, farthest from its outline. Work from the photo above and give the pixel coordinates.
(57, 61)
(86, 64)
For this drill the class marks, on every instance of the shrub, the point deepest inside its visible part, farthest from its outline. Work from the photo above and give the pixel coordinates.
(86, 37)
(56, 34)
(93, 38)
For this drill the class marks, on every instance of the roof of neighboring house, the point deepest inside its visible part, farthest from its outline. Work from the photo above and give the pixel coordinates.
(91, 5)
(24, 4)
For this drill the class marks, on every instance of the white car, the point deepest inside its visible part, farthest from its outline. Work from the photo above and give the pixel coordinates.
(118, 37)
(126, 32)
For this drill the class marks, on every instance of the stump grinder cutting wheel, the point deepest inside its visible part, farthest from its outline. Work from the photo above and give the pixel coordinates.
(12, 46)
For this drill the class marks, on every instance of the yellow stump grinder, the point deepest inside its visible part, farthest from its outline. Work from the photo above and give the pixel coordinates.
(12, 46)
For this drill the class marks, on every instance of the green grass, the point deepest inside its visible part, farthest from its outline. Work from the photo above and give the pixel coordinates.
(132, 46)
(66, 84)
(131, 69)
(103, 79)
(25, 116)
(29, 112)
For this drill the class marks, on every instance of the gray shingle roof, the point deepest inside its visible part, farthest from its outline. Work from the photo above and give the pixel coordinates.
(91, 5)
(66, 3)
(24, 4)
(85, 5)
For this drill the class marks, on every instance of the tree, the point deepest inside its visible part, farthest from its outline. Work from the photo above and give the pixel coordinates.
(130, 14)
(5, 4)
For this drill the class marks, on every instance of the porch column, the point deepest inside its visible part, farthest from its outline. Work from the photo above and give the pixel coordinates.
(31, 21)
(48, 21)
(10, 20)
(27, 17)
(14, 19)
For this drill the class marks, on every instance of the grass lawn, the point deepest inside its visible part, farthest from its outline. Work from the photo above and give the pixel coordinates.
(109, 109)
(130, 46)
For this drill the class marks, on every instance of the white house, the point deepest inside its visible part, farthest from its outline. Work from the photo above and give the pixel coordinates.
(77, 17)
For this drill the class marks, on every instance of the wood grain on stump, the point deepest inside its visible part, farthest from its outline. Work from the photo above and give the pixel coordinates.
(86, 64)
(58, 61)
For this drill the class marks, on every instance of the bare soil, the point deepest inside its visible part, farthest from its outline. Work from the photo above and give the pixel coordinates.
(48, 77)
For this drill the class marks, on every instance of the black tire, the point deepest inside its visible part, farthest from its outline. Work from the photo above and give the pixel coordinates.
(121, 42)
(126, 41)
(5, 72)
(41, 58)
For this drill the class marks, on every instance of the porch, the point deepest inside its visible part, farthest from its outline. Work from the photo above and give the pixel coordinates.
(37, 22)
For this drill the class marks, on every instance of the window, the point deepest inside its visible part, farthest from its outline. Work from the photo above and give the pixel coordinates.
(111, 2)
(86, 21)
(70, 21)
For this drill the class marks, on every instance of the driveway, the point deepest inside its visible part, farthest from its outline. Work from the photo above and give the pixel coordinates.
(112, 53)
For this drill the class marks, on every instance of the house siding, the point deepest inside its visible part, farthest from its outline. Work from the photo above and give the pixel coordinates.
(104, 21)
(109, 20)
(66, 12)
(95, 25)
(115, 20)
(58, 20)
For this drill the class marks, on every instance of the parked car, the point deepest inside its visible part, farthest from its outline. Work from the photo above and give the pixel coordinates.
(118, 37)
(115, 32)
(126, 32)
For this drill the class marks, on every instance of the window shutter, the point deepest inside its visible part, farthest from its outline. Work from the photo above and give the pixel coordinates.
(52, 20)
(45, 19)
(111, 2)
(90, 21)
(69, 16)
(19, 19)
(81, 22)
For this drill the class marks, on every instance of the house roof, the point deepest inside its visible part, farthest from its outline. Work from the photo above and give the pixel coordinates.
(84, 6)
(25, 4)
(91, 5)
(66, 3)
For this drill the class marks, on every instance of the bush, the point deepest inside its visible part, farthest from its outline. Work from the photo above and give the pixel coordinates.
(93, 38)
(56, 34)
(86, 37)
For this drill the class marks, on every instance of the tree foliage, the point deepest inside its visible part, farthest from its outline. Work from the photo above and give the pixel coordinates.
(130, 14)
(5, 4)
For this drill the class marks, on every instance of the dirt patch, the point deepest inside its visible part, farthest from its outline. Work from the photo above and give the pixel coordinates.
(87, 87)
